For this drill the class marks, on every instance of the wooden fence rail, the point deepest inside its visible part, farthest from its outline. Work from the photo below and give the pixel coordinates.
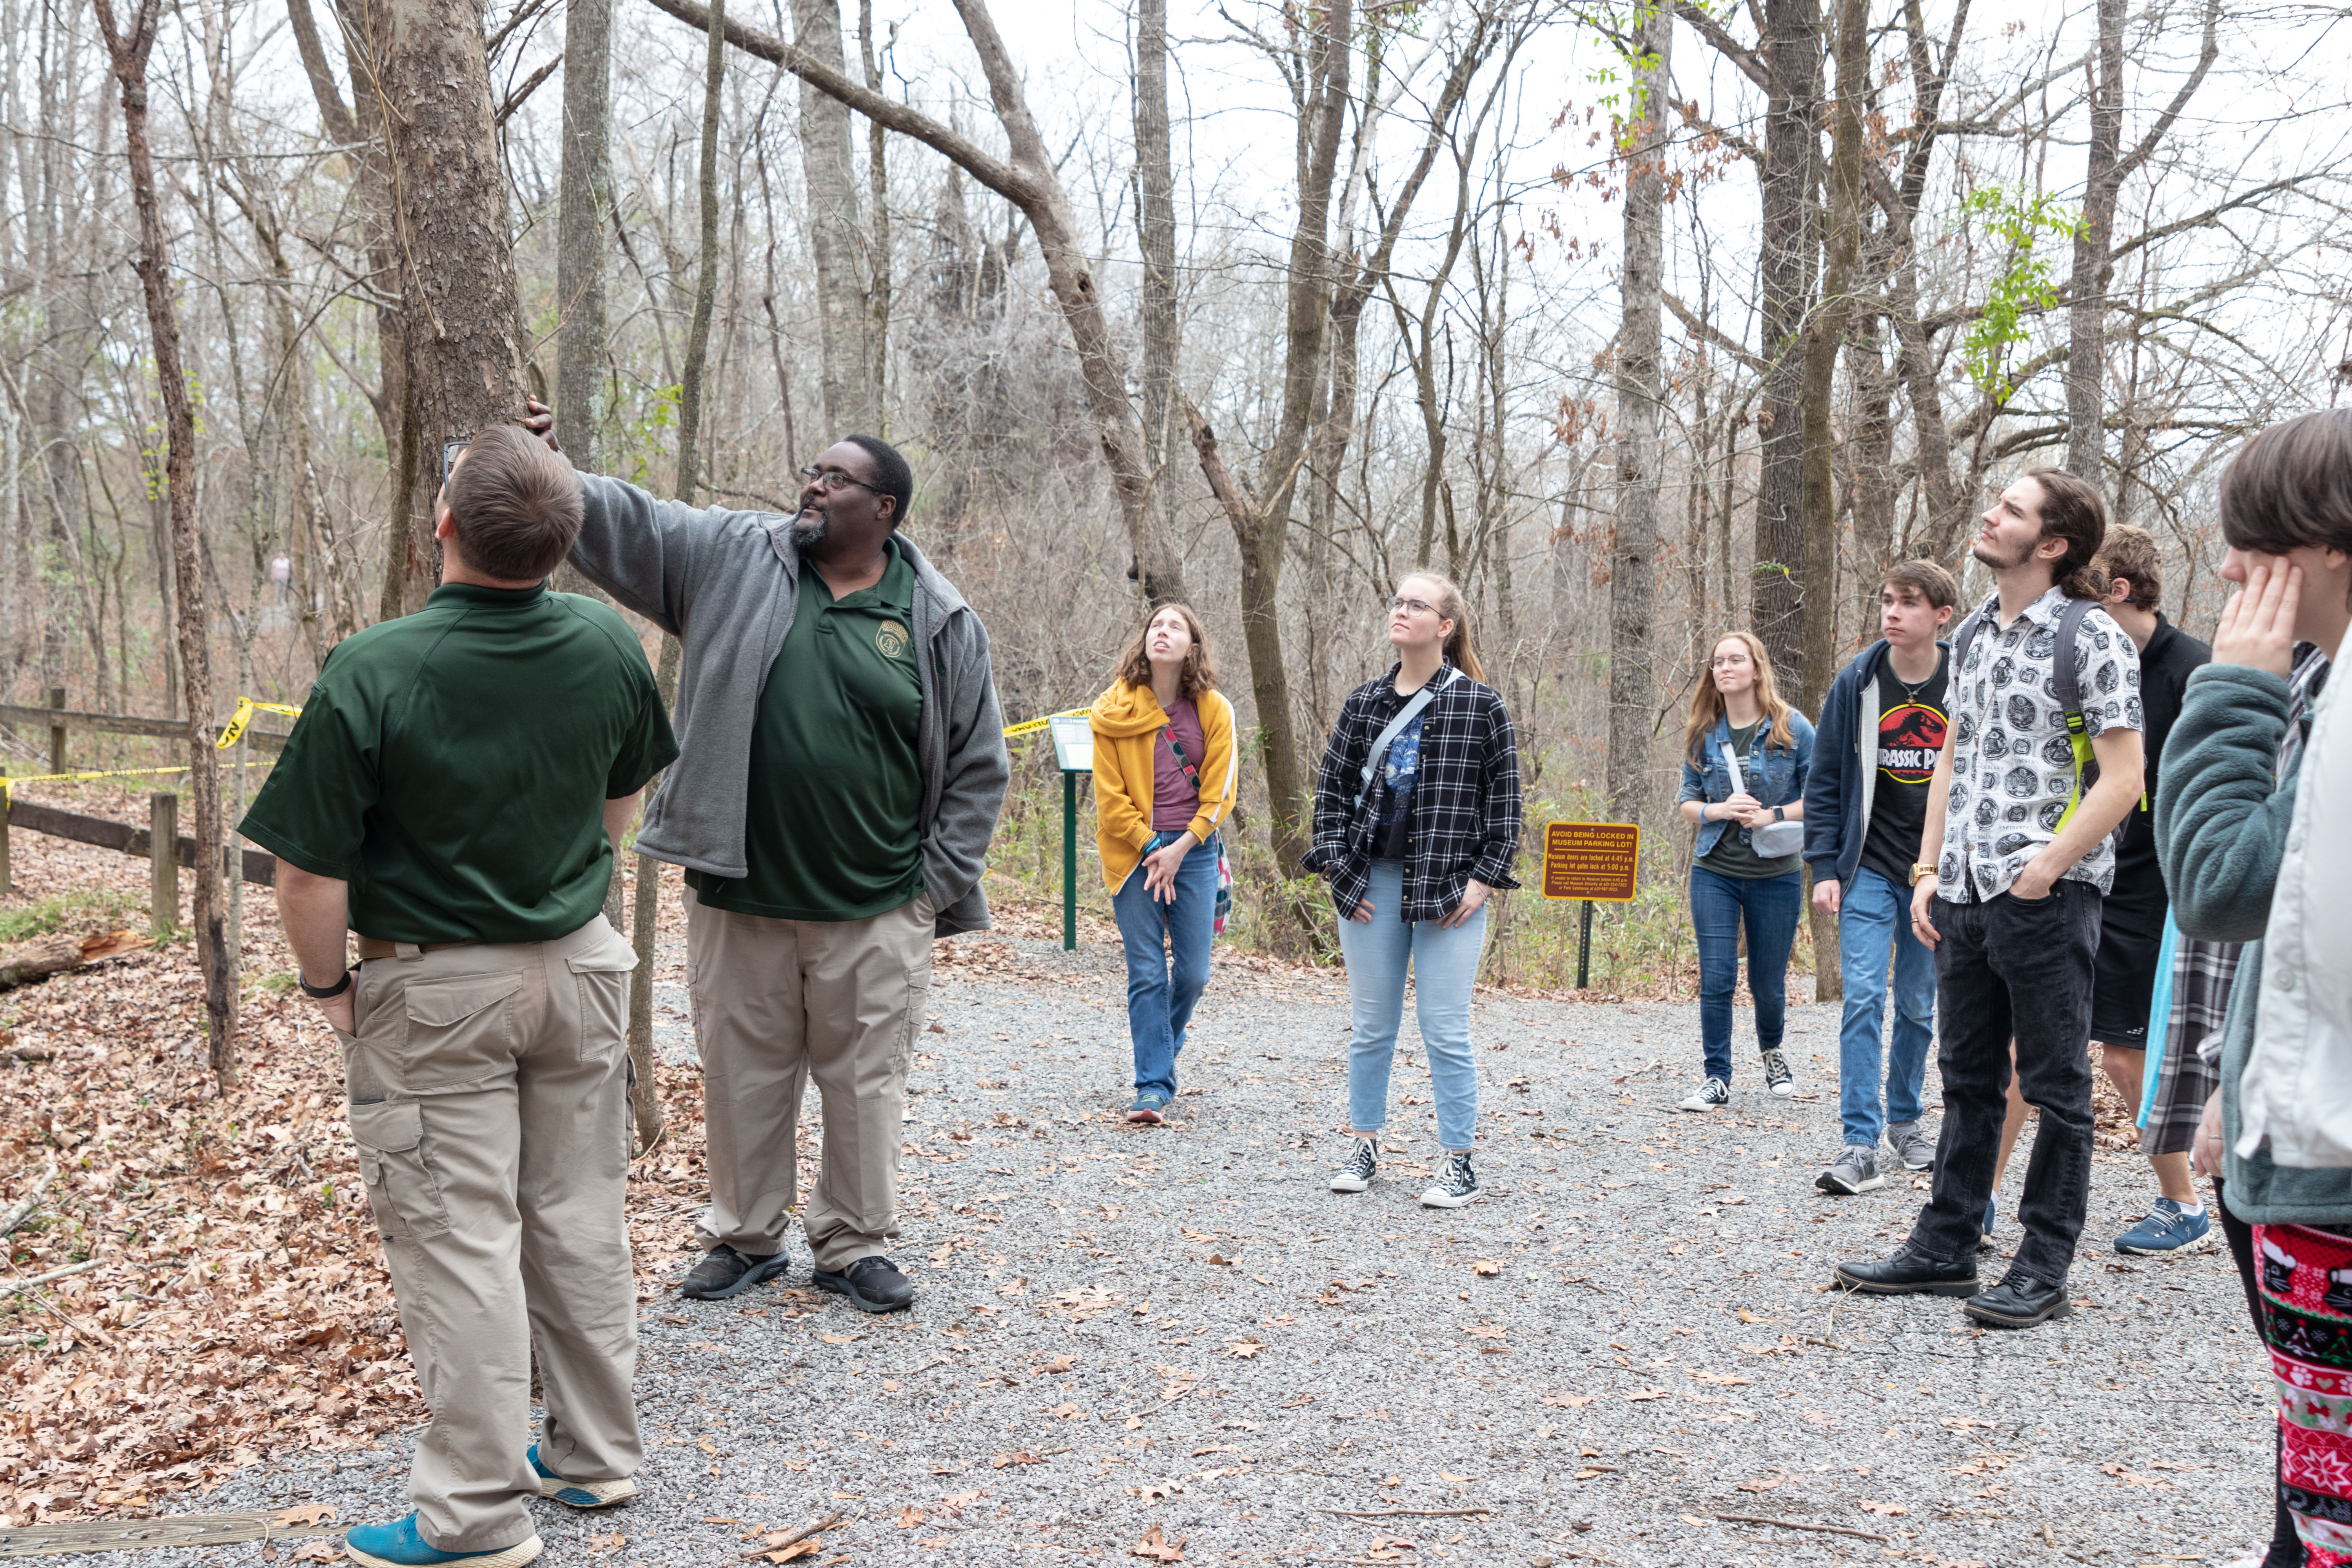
(61, 721)
(160, 844)
(256, 866)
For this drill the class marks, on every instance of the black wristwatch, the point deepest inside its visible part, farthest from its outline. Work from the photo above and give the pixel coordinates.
(323, 992)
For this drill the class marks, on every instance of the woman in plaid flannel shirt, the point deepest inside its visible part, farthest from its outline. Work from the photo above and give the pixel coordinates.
(1412, 840)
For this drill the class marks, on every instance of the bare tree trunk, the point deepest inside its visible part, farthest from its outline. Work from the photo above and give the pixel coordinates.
(1026, 178)
(879, 253)
(1156, 222)
(129, 53)
(646, 924)
(2086, 312)
(455, 252)
(1643, 138)
(1824, 336)
(1262, 527)
(1787, 247)
(360, 126)
(833, 224)
(585, 206)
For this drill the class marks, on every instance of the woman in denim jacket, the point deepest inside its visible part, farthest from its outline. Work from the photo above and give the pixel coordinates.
(1737, 714)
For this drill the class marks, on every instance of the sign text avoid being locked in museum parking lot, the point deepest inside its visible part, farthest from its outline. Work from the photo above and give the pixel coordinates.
(1591, 860)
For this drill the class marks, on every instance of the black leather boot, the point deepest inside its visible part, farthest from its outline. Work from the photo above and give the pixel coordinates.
(1907, 1271)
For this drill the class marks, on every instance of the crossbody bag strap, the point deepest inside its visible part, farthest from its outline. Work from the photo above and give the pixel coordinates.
(1184, 763)
(1405, 715)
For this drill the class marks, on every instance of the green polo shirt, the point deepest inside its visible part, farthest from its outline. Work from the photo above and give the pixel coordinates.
(833, 819)
(453, 766)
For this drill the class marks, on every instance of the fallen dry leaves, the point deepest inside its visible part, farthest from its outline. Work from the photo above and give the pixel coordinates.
(241, 1308)
(1158, 1547)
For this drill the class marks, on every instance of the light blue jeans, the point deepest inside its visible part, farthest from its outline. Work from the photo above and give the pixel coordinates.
(1167, 948)
(1874, 927)
(1445, 964)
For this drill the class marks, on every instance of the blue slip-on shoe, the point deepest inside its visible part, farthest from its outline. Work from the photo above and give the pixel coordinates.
(1992, 1212)
(2165, 1230)
(397, 1545)
(1148, 1104)
(582, 1495)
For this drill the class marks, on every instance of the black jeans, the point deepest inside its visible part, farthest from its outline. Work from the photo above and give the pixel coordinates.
(2008, 969)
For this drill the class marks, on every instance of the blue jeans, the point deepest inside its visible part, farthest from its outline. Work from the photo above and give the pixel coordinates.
(1771, 908)
(1875, 926)
(1445, 964)
(1167, 962)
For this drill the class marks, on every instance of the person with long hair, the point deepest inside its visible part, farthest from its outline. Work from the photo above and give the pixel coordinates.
(1416, 821)
(1164, 774)
(1745, 756)
(2040, 763)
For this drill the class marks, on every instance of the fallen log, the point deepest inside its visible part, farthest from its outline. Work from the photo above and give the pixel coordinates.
(28, 962)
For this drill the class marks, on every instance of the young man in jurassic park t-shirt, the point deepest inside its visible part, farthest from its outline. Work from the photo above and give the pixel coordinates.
(1874, 751)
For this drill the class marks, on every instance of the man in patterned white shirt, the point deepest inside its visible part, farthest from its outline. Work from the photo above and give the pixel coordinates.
(2015, 860)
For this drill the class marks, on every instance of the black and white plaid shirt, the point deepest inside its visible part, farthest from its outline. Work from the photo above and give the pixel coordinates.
(1465, 803)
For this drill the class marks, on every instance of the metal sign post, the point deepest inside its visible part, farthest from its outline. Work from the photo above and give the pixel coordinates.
(1074, 753)
(1594, 861)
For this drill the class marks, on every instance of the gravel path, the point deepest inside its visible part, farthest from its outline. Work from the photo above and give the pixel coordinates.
(1625, 1340)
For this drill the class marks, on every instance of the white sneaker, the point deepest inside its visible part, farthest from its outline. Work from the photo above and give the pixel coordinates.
(1361, 1167)
(1456, 1185)
(1713, 1095)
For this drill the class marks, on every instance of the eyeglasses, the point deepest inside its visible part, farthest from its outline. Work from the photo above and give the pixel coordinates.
(834, 478)
(1417, 607)
(1719, 660)
(449, 450)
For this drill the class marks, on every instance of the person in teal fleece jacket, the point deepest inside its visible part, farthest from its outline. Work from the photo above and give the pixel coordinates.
(2224, 806)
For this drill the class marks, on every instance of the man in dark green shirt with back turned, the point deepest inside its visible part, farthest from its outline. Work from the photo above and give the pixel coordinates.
(454, 793)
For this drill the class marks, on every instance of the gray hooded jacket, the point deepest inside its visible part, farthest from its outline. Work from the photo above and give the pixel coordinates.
(726, 584)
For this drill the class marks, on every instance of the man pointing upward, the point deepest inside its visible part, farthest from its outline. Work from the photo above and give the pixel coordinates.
(842, 761)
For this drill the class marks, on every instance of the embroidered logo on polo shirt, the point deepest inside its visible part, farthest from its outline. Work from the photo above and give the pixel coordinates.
(891, 638)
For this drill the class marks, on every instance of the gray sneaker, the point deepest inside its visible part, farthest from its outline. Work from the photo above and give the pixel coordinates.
(1855, 1170)
(1912, 1145)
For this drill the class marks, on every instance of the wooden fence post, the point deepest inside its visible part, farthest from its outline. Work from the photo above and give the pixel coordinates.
(56, 733)
(164, 859)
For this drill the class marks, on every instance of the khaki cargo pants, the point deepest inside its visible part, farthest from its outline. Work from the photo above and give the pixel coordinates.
(489, 1089)
(777, 1003)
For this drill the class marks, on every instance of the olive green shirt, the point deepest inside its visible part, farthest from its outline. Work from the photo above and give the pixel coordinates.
(1733, 855)
(833, 819)
(453, 766)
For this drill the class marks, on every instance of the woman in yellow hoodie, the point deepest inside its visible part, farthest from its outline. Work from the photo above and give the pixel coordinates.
(1164, 776)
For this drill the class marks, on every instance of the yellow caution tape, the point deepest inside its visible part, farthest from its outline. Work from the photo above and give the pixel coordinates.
(8, 786)
(1031, 726)
(246, 708)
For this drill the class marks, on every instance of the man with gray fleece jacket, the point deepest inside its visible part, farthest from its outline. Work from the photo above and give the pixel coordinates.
(841, 763)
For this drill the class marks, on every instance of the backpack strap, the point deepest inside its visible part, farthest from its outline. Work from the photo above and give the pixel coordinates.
(1405, 715)
(1964, 635)
(2066, 686)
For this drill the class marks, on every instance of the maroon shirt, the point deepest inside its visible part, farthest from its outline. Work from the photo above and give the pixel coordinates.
(1175, 800)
